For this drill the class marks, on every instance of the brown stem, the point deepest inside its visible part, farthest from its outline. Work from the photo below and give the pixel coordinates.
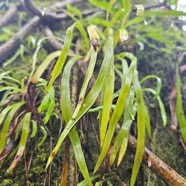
(160, 168)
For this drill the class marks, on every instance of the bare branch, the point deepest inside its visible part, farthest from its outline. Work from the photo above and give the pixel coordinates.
(8, 16)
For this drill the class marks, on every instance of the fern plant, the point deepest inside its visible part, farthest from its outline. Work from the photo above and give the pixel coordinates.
(119, 107)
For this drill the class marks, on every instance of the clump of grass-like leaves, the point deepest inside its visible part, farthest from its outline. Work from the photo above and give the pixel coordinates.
(119, 106)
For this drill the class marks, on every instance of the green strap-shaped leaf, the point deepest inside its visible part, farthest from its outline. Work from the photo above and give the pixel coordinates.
(100, 4)
(75, 11)
(4, 112)
(79, 26)
(44, 132)
(44, 65)
(88, 76)
(141, 119)
(107, 102)
(23, 140)
(129, 115)
(118, 110)
(179, 106)
(34, 128)
(9, 117)
(12, 88)
(172, 13)
(62, 58)
(158, 85)
(12, 79)
(65, 90)
(123, 148)
(50, 110)
(161, 105)
(76, 145)
(66, 47)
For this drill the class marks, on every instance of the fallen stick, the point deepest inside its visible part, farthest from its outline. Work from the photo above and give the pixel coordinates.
(8, 16)
(160, 168)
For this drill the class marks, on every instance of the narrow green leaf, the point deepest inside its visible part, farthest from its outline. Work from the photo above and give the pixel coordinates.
(127, 5)
(4, 112)
(170, 13)
(11, 88)
(34, 129)
(158, 85)
(107, 102)
(84, 183)
(43, 66)
(43, 130)
(115, 17)
(9, 117)
(100, 4)
(12, 79)
(76, 144)
(75, 11)
(111, 3)
(122, 149)
(134, 21)
(45, 103)
(61, 60)
(23, 141)
(118, 110)
(4, 74)
(88, 76)
(161, 105)
(79, 26)
(141, 119)
(50, 110)
(128, 117)
(179, 106)
(65, 90)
